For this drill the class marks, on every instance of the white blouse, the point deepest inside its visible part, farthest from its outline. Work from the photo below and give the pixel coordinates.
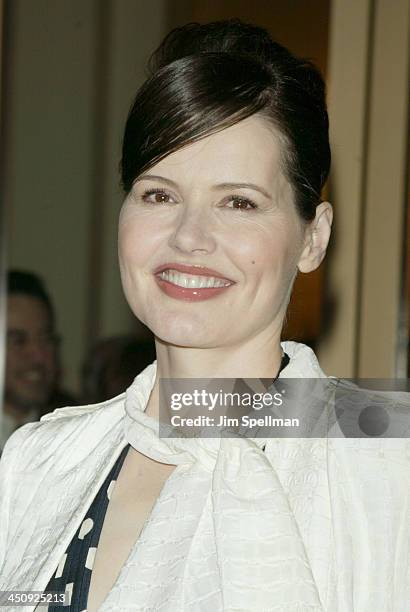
(309, 525)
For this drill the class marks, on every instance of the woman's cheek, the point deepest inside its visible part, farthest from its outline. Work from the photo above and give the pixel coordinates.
(265, 247)
(138, 238)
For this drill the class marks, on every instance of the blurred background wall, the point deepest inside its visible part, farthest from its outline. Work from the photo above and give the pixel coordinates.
(70, 71)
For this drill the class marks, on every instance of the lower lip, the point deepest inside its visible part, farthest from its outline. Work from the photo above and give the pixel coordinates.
(189, 294)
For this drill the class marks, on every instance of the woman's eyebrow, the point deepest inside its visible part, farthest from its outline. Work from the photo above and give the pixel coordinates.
(155, 177)
(244, 186)
(220, 186)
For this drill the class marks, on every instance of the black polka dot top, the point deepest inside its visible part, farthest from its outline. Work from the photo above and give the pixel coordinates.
(73, 573)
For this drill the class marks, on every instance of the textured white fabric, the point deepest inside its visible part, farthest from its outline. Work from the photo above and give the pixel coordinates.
(311, 525)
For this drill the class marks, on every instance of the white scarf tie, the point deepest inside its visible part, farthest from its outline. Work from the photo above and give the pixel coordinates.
(222, 535)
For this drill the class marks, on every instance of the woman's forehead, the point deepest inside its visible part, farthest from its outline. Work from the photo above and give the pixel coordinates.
(248, 151)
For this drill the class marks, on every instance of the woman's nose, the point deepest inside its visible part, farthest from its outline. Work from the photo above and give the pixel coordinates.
(193, 231)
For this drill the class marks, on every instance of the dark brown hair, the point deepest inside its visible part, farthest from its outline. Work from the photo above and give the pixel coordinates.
(22, 282)
(205, 78)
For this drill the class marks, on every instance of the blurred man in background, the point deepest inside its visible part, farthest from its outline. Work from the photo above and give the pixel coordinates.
(32, 354)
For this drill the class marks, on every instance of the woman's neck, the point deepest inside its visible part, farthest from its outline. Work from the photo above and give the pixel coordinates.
(257, 358)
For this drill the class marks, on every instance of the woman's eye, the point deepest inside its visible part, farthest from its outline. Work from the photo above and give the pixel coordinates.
(239, 203)
(156, 196)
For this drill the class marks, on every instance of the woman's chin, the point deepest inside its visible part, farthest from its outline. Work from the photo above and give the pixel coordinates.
(180, 338)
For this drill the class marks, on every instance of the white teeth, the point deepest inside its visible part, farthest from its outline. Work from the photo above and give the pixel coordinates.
(192, 282)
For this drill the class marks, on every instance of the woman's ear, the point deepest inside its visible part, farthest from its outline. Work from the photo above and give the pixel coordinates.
(317, 238)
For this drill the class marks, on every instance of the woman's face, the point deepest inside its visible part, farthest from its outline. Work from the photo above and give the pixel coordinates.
(222, 203)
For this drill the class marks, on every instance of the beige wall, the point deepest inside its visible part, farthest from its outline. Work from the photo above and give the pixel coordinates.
(369, 113)
(74, 68)
(3, 301)
(383, 237)
(49, 98)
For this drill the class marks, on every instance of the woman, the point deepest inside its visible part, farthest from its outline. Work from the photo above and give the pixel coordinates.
(225, 154)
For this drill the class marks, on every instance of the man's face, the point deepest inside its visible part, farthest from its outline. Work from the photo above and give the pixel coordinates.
(31, 361)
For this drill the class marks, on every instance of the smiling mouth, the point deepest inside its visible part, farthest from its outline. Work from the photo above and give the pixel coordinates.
(193, 281)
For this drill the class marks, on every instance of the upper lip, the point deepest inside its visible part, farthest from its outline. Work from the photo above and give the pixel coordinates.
(196, 269)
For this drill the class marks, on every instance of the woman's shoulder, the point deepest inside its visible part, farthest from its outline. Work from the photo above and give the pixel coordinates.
(70, 426)
(71, 413)
(47, 464)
